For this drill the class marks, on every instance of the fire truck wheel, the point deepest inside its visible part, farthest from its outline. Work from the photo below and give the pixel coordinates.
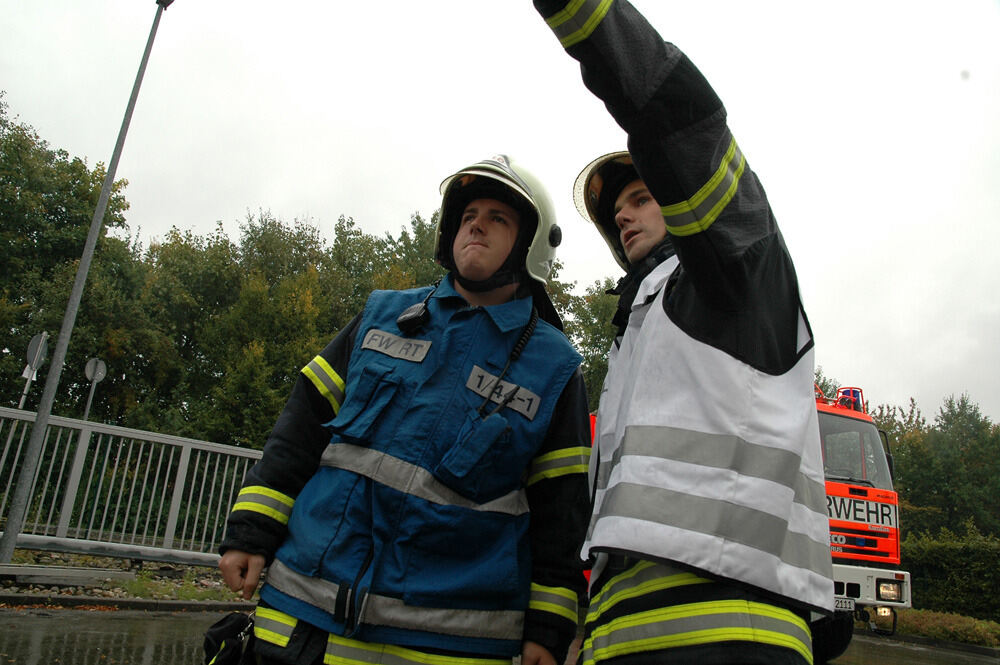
(831, 636)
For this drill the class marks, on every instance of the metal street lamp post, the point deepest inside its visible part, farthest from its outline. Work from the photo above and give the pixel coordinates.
(19, 503)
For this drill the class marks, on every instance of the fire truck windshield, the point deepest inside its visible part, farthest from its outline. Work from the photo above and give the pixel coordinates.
(852, 451)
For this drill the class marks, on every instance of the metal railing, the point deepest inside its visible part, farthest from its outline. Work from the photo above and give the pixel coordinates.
(113, 491)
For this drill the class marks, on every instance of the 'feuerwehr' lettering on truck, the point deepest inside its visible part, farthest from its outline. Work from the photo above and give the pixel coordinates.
(865, 512)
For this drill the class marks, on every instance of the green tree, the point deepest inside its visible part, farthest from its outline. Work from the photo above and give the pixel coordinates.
(827, 384)
(358, 263)
(253, 319)
(592, 333)
(190, 280)
(898, 422)
(906, 429)
(412, 253)
(968, 445)
(113, 326)
(947, 473)
(47, 201)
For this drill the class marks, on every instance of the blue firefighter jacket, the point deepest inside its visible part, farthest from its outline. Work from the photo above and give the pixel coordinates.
(414, 530)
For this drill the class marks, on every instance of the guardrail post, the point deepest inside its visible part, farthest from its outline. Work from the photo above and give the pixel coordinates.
(75, 473)
(175, 500)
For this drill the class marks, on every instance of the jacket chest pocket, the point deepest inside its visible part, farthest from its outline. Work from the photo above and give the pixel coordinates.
(363, 415)
(483, 463)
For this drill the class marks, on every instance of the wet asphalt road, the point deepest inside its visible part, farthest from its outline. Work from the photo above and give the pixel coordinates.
(135, 637)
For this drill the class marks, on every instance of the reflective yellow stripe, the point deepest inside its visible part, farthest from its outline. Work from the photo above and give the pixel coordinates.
(268, 492)
(555, 600)
(559, 463)
(634, 582)
(222, 648)
(265, 501)
(694, 638)
(578, 20)
(552, 608)
(327, 381)
(274, 626)
(697, 213)
(674, 627)
(344, 651)
(277, 516)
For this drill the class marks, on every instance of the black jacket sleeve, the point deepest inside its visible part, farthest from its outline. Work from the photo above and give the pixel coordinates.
(258, 521)
(736, 288)
(560, 512)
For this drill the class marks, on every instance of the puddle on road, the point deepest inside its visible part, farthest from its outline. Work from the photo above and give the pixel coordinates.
(82, 637)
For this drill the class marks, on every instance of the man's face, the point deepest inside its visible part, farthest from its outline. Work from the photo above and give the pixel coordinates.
(486, 234)
(639, 220)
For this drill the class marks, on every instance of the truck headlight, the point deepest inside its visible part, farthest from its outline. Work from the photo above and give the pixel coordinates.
(888, 590)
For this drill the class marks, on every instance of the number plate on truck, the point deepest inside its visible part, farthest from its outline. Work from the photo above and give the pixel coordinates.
(843, 604)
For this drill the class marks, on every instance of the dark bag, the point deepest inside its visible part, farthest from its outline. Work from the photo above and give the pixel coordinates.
(229, 641)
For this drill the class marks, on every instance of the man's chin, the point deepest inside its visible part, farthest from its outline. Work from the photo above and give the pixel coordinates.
(475, 275)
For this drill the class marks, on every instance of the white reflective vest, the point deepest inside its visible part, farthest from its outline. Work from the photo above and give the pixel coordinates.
(708, 462)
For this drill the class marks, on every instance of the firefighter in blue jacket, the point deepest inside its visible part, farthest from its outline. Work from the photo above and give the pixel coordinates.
(709, 530)
(423, 495)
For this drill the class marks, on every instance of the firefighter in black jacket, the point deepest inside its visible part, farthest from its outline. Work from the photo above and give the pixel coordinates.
(709, 528)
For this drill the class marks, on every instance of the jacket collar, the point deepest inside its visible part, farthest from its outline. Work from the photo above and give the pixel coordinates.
(628, 286)
(653, 282)
(507, 316)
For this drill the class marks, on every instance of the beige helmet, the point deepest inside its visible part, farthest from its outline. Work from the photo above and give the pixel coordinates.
(594, 194)
(498, 177)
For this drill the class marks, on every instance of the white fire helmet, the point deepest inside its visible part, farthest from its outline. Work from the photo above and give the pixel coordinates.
(499, 177)
(594, 194)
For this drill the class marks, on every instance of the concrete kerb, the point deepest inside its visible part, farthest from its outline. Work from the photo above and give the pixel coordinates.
(53, 600)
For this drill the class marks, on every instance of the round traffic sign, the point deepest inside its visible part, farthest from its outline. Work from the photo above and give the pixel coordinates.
(95, 370)
(38, 348)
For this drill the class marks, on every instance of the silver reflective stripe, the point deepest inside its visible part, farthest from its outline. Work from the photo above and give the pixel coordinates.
(413, 479)
(555, 600)
(578, 20)
(697, 213)
(496, 624)
(385, 611)
(714, 517)
(313, 590)
(327, 381)
(273, 626)
(720, 451)
(265, 501)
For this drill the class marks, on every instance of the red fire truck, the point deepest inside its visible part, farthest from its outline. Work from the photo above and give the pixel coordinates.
(864, 522)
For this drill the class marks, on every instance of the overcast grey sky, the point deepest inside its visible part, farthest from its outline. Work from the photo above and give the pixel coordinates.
(873, 126)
